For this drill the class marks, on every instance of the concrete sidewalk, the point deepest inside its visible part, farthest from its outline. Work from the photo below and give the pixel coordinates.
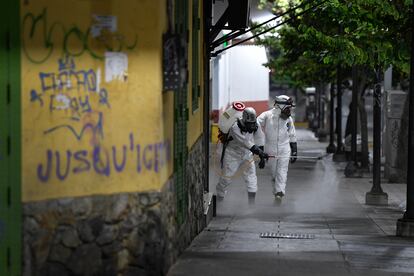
(345, 236)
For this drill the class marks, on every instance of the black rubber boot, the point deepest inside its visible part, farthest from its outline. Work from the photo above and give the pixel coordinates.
(252, 197)
(279, 194)
(278, 198)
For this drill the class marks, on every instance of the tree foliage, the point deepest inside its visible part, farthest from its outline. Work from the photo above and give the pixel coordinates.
(369, 33)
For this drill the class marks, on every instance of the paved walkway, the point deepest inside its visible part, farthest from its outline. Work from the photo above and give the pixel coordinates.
(345, 236)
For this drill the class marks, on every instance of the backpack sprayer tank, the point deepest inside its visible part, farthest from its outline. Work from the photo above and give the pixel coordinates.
(227, 119)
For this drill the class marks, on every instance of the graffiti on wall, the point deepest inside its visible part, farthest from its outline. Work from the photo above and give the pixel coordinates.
(70, 41)
(70, 91)
(105, 161)
(82, 79)
(96, 128)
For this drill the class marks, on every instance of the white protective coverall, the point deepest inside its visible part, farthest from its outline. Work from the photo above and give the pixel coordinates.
(279, 133)
(238, 155)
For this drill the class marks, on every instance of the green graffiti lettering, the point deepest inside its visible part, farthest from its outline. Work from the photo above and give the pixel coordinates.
(38, 25)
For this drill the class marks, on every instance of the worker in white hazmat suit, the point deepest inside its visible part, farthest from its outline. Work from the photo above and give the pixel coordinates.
(245, 139)
(280, 141)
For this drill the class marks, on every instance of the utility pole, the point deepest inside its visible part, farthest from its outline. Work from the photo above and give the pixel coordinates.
(331, 147)
(405, 225)
(376, 196)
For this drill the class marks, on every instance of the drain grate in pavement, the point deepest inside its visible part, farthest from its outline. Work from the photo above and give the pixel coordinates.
(273, 235)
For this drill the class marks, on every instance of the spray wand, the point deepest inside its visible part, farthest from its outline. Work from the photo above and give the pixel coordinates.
(297, 157)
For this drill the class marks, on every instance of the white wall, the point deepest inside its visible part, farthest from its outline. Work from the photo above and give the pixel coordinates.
(214, 69)
(239, 75)
(249, 79)
(224, 85)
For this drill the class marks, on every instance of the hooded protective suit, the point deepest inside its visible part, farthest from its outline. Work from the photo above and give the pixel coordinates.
(279, 135)
(239, 155)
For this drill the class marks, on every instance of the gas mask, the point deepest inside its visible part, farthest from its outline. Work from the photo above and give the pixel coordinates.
(251, 127)
(285, 104)
(285, 112)
(248, 121)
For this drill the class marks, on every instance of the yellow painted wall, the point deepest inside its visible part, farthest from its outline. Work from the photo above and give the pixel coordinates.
(83, 134)
(195, 122)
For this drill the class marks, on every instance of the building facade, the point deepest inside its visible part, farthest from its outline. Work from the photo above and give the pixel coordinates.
(100, 175)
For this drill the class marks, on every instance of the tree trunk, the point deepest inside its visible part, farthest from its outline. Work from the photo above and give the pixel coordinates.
(356, 73)
(322, 131)
(364, 129)
(362, 86)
